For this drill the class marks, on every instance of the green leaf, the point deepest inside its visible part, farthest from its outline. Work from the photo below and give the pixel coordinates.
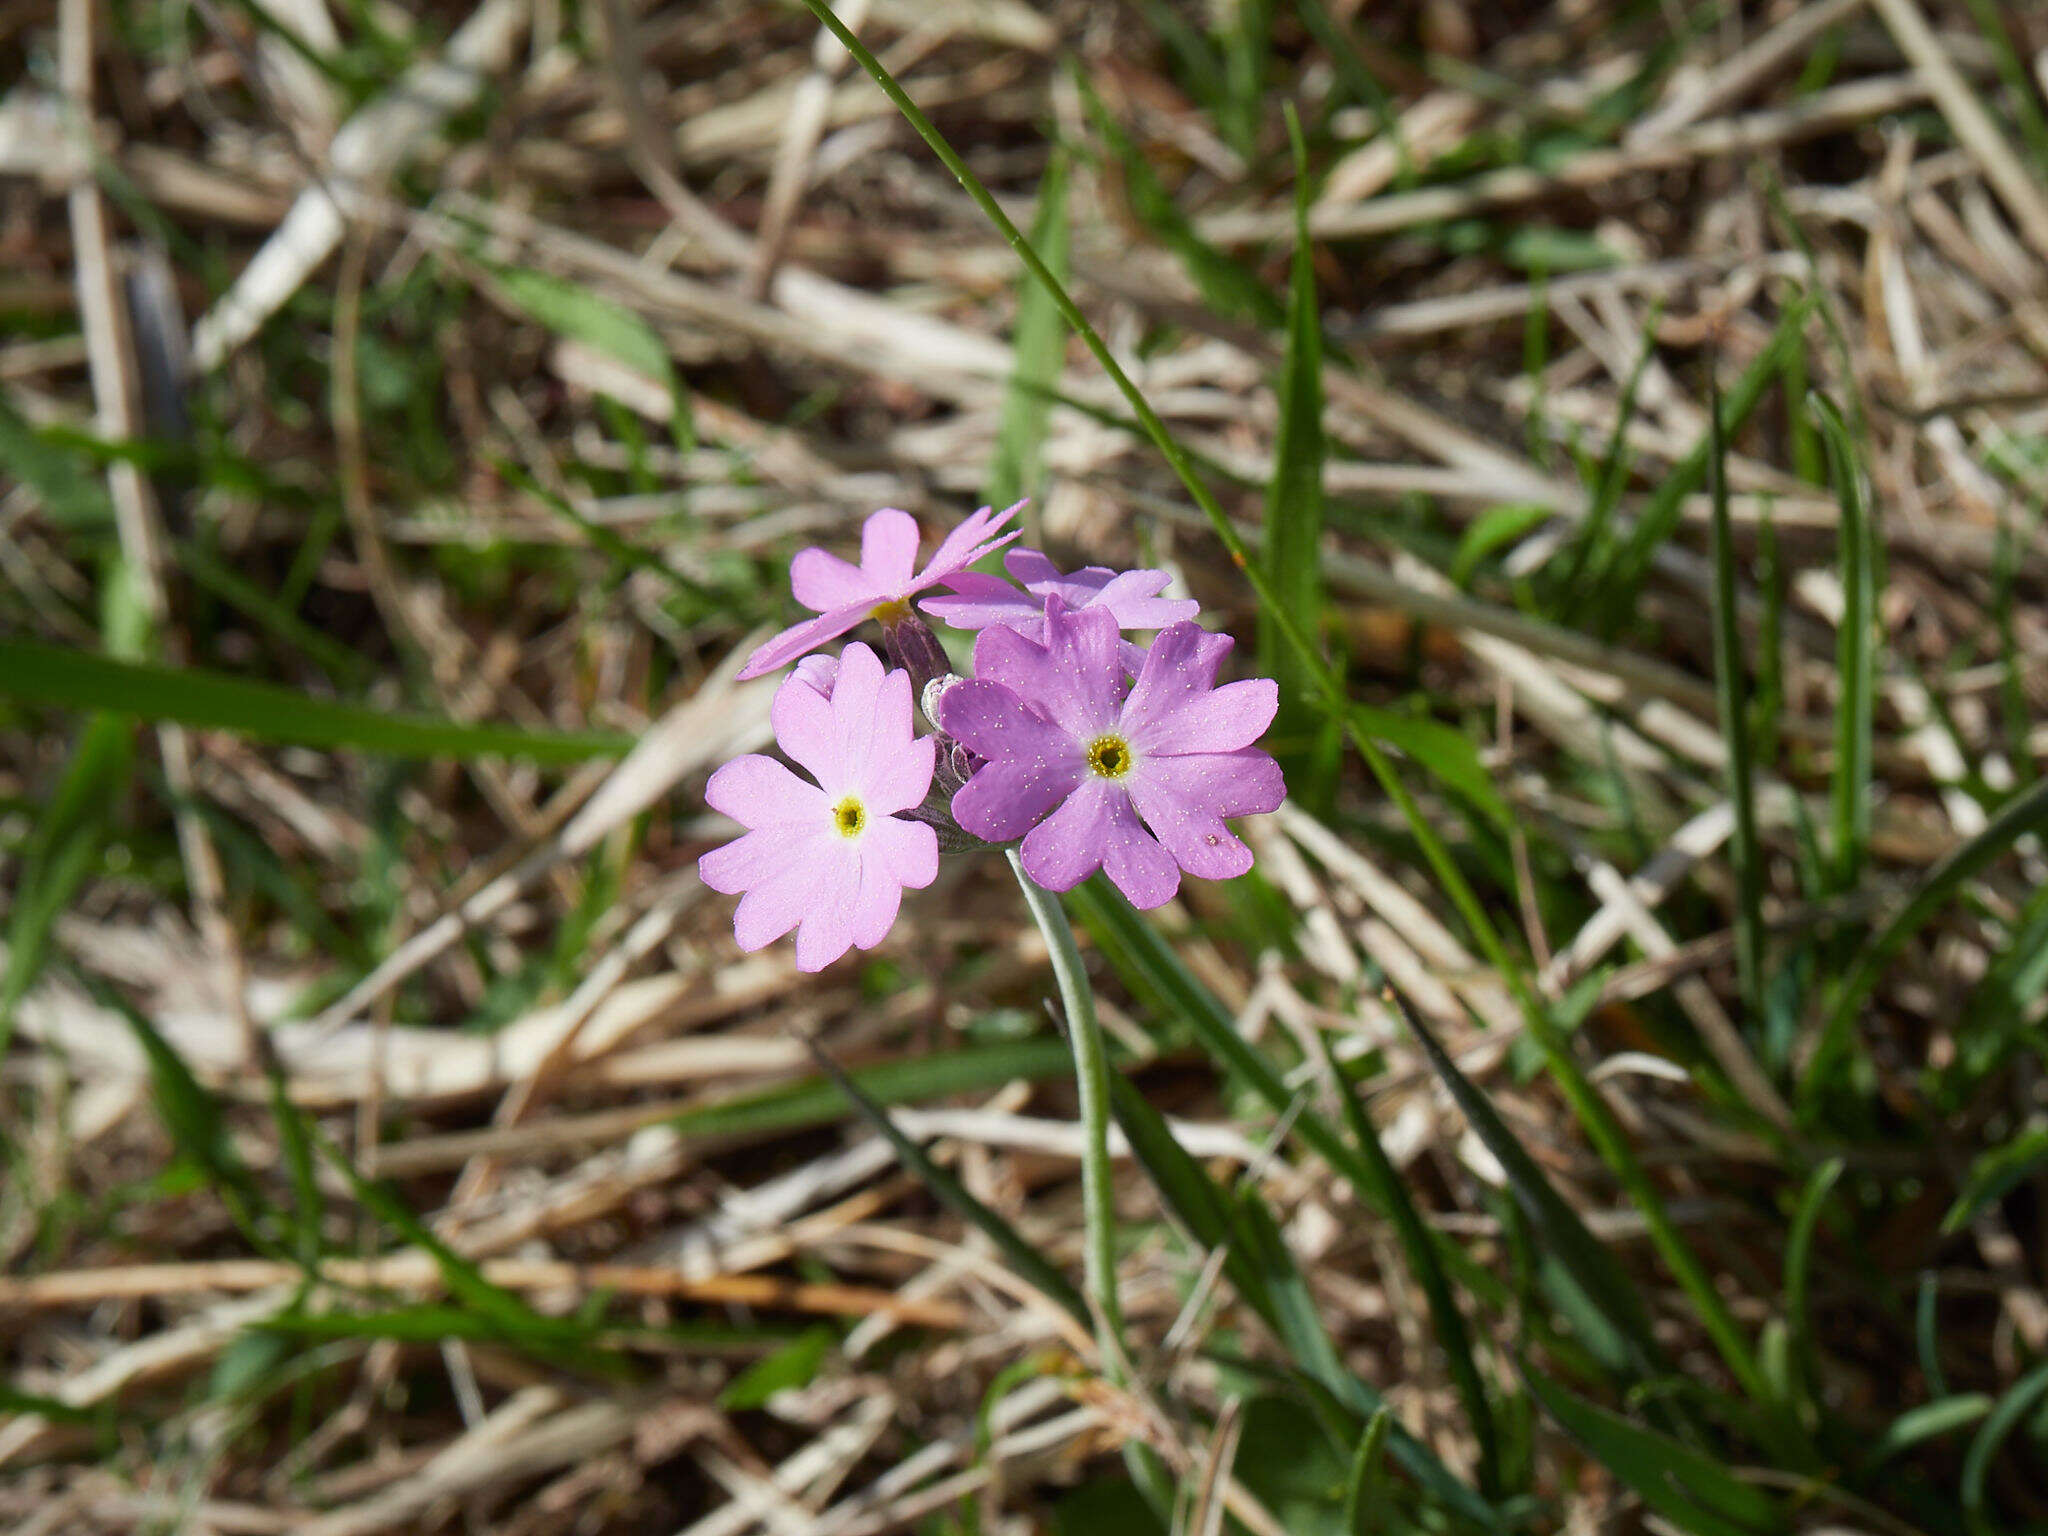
(1039, 343)
(1445, 753)
(1929, 1421)
(574, 312)
(1293, 549)
(1994, 1174)
(58, 678)
(1426, 1264)
(793, 1365)
(1687, 1488)
(72, 496)
(1798, 1260)
(818, 1101)
(1493, 529)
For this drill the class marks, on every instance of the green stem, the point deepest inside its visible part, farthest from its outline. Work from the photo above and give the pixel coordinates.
(1098, 1191)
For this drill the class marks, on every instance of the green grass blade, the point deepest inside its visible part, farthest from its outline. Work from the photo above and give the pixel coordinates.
(1855, 650)
(58, 678)
(1017, 468)
(1361, 1489)
(1584, 1257)
(1025, 1259)
(1294, 500)
(1994, 1174)
(1798, 1271)
(2025, 812)
(1625, 573)
(1424, 1262)
(2017, 1403)
(1691, 1490)
(1732, 694)
(576, 313)
(1229, 289)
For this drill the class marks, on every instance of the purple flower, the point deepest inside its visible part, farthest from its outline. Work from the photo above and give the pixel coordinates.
(1131, 597)
(881, 586)
(1094, 771)
(829, 859)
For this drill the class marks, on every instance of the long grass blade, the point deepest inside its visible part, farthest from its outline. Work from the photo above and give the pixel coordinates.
(1732, 693)
(56, 678)
(1855, 650)
(1039, 342)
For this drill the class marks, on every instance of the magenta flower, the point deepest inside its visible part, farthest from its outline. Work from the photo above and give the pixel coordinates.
(881, 586)
(1092, 771)
(1132, 597)
(829, 859)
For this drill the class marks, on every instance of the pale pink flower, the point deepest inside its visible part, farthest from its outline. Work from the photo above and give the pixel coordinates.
(881, 586)
(829, 859)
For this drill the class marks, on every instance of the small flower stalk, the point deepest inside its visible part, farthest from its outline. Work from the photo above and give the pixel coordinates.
(1076, 743)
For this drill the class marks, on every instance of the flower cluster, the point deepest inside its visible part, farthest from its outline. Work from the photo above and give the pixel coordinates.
(1096, 751)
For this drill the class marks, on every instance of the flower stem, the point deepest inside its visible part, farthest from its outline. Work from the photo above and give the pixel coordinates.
(1091, 1080)
(1098, 1201)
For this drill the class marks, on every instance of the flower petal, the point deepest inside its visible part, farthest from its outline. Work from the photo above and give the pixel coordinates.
(972, 539)
(762, 857)
(801, 640)
(894, 854)
(1006, 800)
(1133, 597)
(1233, 716)
(831, 899)
(1030, 566)
(980, 601)
(1076, 679)
(1067, 847)
(1191, 832)
(806, 729)
(1180, 668)
(757, 791)
(1136, 864)
(821, 581)
(1242, 783)
(857, 715)
(899, 772)
(888, 552)
(993, 721)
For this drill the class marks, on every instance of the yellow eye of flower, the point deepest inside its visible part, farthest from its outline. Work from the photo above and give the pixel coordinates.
(1110, 757)
(891, 613)
(849, 816)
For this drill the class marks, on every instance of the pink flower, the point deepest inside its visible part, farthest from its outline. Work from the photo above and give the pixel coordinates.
(1094, 771)
(829, 859)
(1132, 597)
(842, 594)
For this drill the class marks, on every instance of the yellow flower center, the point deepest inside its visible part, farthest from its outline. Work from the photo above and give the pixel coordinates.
(849, 816)
(1110, 756)
(891, 613)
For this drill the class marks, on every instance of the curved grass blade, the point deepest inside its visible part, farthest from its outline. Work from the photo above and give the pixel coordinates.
(1588, 1262)
(1420, 1250)
(951, 1193)
(2014, 1406)
(1692, 1491)
(2023, 813)
(1798, 1267)
(58, 678)
(1361, 1489)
